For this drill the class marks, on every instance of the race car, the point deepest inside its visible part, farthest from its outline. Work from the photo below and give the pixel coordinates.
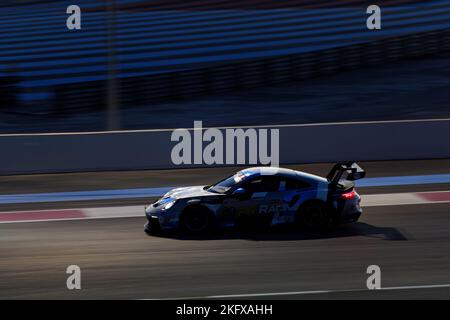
(261, 196)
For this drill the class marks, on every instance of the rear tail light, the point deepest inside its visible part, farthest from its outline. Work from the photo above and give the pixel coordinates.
(348, 195)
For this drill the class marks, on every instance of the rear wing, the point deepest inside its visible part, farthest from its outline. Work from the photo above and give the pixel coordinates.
(352, 169)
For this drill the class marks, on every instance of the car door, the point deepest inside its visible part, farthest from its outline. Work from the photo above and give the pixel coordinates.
(252, 207)
(290, 196)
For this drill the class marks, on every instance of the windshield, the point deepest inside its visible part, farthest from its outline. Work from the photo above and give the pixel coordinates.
(225, 185)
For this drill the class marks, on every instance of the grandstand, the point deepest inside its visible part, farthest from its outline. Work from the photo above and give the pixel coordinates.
(179, 49)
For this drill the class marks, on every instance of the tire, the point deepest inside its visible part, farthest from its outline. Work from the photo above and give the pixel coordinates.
(315, 216)
(196, 220)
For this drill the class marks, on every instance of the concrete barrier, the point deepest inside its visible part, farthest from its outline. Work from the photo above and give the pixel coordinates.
(151, 149)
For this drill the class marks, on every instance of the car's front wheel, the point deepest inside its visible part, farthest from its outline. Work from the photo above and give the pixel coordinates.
(196, 220)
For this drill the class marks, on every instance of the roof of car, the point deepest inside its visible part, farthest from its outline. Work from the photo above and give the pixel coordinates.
(272, 171)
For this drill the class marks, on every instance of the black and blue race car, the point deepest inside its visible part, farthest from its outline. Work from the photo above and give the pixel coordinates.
(262, 195)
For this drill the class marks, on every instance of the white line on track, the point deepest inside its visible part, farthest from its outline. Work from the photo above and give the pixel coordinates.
(296, 293)
(397, 199)
(229, 127)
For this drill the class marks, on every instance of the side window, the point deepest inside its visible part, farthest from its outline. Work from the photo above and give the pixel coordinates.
(263, 184)
(271, 184)
(253, 186)
(292, 184)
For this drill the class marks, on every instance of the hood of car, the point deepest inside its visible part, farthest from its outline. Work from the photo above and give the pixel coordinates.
(189, 192)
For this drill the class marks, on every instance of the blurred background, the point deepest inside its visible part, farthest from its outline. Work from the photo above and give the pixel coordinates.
(163, 64)
(79, 199)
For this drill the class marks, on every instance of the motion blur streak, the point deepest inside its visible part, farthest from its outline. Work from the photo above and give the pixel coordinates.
(410, 243)
(157, 192)
(373, 200)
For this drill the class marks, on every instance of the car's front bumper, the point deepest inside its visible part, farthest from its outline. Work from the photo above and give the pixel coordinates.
(160, 220)
(152, 226)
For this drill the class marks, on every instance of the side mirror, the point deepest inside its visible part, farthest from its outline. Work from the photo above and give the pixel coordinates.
(239, 192)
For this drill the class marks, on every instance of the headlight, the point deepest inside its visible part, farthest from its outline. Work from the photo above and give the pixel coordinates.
(169, 204)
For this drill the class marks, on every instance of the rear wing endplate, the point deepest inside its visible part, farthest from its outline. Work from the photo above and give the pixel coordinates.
(352, 169)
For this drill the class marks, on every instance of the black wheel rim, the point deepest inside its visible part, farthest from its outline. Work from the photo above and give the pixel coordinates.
(316, 217)
(196, 221)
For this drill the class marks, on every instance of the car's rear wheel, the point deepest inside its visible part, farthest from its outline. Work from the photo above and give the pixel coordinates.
(196, 220)
(315, 216)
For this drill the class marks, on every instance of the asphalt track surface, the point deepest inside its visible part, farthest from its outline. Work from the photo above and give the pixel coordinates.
(410, 243)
